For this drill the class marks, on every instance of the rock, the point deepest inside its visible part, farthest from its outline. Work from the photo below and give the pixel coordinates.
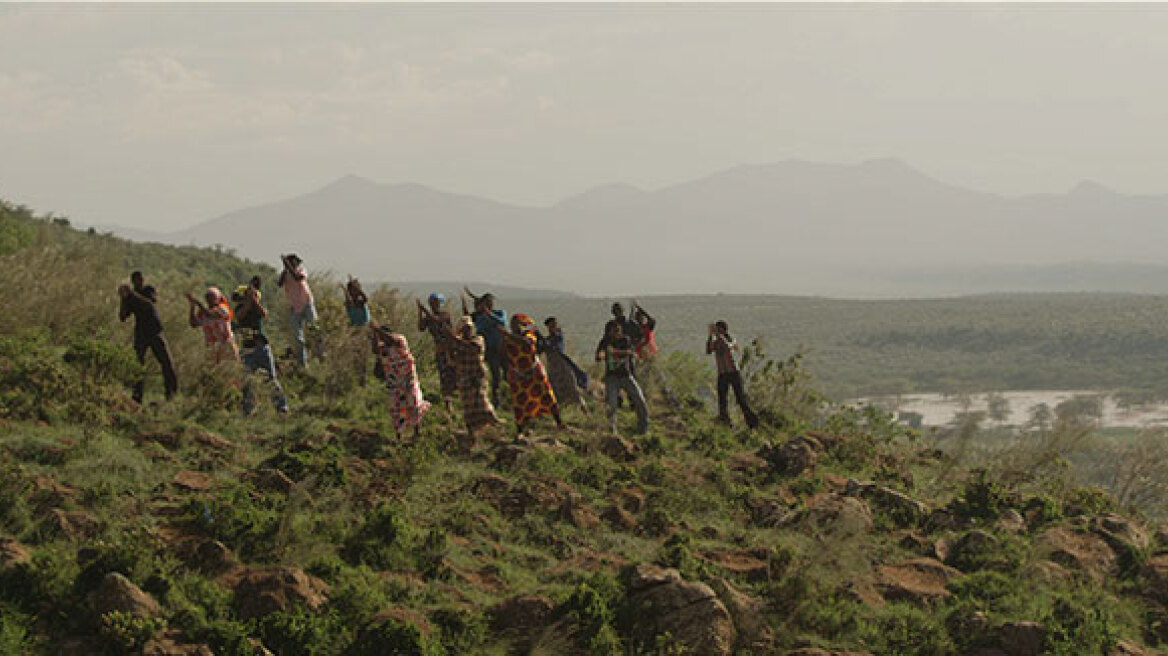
(1082, 552)
(754, 634)
(1155, 578)
(836, 514)
(619, 518)
(263, 590)
(618, 448)
(74, 524)
(921, 581)
(1122, 534)
(118, 593)
(1051, 573)
(903, 509)
(767, 512)
(972, 547)
(169, 643)
(752, 565)
(577, 511)
(792, 457)
(211, 440)
(690, 613)
(12, 553)
(524, 612)
(1022, 638)
(943, 520)
(193, 481)
(213, 558)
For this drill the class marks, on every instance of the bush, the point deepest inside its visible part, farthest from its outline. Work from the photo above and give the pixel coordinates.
(301, 632)
(393, 636)
(383, 542)
(590, 612)
(125, 633)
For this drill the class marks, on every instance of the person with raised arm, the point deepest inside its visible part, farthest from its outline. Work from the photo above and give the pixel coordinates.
(255, 350)
(215, 320)
(490, 323)
(646, 344)
(141, 300)
(724, 349)
(294, 280)
(568, 380)
(436, 321)
(356, 303)
(615, 350)
(467, 350)
(531, 393)
(407, 405)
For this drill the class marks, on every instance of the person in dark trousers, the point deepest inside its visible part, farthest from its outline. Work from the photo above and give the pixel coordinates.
(490, 324)
(723, 347)
(141, 300)
(616, 352)
(255, 352)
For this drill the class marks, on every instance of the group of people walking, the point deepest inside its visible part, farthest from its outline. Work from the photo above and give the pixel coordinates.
(474, 354)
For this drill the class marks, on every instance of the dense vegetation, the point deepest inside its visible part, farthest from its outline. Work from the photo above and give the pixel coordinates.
(176, 525)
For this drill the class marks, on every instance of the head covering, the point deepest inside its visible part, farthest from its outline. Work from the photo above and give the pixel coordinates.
(526, 323)
(217, 295)
(441, 298)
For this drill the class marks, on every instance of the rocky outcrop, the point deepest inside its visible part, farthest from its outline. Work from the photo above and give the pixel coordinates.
(118, 593)
(263, 590)
(904, 510)
(792, 457)
(1079, 551)
(835, 514)
(921, 581)
(690, 613)
(754, 634)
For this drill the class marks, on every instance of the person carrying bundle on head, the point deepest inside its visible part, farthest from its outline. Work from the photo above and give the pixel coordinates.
(255, 351)
(568, 380)
(294, 280)
(531, 393)
(724, 348)
(215, 320)
(141, 300)
(436, 321)
(407, 405)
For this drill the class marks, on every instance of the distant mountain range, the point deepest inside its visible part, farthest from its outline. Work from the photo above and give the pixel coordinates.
(878, 228)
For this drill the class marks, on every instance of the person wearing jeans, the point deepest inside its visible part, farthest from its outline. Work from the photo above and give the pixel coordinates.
(616, 351)
(256, 353)
(294, 280)
(141, 300)
(723, 347)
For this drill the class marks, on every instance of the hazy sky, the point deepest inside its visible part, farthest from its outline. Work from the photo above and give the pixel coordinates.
(161, 116)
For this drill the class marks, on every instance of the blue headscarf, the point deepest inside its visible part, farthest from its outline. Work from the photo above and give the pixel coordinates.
(441, 298)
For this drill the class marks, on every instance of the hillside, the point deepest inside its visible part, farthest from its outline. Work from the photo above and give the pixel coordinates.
(183, 528)
(875, 229)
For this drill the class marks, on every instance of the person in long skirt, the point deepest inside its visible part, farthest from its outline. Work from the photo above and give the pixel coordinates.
(436, 321)
(568, 380)
(467, 349)
(531, 392)
(407, 406)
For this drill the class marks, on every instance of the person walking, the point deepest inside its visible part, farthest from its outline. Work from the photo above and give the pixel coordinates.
(616, 351)
(490, 323)
(724, 349)
(255, 350)
(568, 380)
(467, 350)
(531, 392)
(141, 301)
(407, 405)
(215, 320)
(436, 321)
(294, 280)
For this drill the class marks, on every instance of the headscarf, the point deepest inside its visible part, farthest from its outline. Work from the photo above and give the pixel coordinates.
(526, 323)
(214, 292)
(441, 298)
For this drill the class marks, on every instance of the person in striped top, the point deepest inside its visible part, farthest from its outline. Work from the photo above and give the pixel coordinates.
(724, 348)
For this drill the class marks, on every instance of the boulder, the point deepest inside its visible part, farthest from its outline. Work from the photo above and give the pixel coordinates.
(524, 612)
(794, 456)
(1011, 521)
(1122, 534)
(263, 590)
(690, 613)
(193, 481)
(1082, 552)
(836, 514)
(971, 547)
(920, 581)
(170, 643)
(118, 593)
(749, 564)
(1022, 638)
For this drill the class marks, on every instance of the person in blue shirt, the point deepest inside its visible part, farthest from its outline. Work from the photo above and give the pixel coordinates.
(356, 303)
(489, 323)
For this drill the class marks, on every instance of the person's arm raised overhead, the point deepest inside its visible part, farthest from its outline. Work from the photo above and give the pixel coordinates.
(470, 294)
(194, 307)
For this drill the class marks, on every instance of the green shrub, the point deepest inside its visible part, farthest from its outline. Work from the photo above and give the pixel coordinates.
(393, 636)
(125, 633)
(247, 524)
(1088, 500)
(462, 630)
(302, 632)
(15, 632)
(982, 500)
(384, 541)
(908, 631)
(589, 611)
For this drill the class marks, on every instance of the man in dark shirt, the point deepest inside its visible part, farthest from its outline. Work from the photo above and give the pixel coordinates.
(141, 300)
(255, 353)
(630, 329)
(616, 351)
(723, 347)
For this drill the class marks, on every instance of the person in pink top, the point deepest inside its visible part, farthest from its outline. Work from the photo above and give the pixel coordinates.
(215, 320)
(294, 280)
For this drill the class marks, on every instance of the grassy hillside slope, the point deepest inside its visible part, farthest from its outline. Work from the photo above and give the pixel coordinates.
(185, 528)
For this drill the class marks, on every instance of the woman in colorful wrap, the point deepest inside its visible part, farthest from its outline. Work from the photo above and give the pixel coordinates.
(406, 403)
(531, 392)
(568, 380)
(436, 321)
(215, 320)
(466, 349)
